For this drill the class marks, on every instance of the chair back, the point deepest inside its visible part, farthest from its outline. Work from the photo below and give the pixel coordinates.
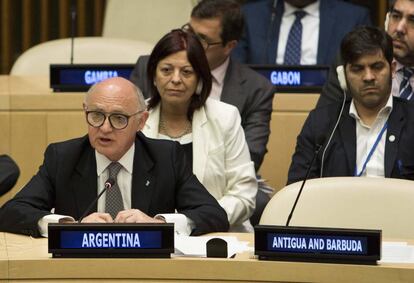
(347, 202)
(92, 50)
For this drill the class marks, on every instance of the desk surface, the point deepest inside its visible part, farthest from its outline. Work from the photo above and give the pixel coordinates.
(25, 258)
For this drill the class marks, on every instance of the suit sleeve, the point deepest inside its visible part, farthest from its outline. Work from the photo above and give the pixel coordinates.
(194, 201)
(9, 173)
(256, 121)
(304, 152)
(139, 75)
(22, 213)
(239, 195)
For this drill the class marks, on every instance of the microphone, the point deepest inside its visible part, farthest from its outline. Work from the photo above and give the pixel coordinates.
(318, 147)
(108, 184)
(72, 31)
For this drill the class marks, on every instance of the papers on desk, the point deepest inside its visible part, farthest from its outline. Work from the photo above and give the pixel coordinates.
(397, 252)
(196, 246)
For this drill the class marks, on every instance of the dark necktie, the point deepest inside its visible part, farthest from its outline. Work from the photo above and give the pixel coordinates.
(114, 202)
(405, 87)
(294, 42)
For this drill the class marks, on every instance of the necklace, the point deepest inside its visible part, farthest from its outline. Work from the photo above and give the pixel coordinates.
(163, 129)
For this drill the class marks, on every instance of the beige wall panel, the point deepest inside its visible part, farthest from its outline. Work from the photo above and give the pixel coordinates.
(4, 133)
(27, 143)
(65, 125)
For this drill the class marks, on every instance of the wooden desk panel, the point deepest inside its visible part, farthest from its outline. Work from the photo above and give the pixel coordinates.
(28, 260)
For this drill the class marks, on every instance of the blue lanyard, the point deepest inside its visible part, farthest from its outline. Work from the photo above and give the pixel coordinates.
(371, 151)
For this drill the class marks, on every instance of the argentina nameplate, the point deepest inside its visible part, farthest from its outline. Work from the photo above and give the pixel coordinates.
(111, 240)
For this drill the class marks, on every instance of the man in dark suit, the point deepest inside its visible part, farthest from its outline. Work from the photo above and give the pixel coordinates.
(268, 24)
(9, 173)
(374, 136)
(151, 177)
(400, 27)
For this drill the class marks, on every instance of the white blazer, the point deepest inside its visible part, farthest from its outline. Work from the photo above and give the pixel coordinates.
(221, 159)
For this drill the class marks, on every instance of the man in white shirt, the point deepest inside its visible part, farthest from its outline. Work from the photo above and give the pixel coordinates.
(400, 26)
(150, 178)
(375, 132)
(296, 32)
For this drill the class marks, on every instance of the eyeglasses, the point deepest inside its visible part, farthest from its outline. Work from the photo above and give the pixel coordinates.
(117, 120)
(206, 45)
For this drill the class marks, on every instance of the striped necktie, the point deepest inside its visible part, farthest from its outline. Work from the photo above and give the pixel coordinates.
(406, 90)
(114, 202)
(294, 42)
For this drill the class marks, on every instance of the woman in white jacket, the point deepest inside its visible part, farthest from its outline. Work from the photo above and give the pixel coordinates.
(209, 130)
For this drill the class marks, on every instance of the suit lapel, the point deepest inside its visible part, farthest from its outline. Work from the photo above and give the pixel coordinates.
(142, 179)
(347, 134)
(326, 26)
(232, 92)
(85, 182)
(274, 32)
(396, 122)
(200, 143)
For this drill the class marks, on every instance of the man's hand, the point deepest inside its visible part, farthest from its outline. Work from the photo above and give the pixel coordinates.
(135, 216)
(97, 217)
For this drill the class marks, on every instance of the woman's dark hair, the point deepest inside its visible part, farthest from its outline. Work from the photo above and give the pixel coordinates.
(173, 42)
(366, 40)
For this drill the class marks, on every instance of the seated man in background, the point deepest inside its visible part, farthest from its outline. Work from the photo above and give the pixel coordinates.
(152, 178)
(375, 132)
(400, 26)
(9, 173)
(296, 32)
(218, 25)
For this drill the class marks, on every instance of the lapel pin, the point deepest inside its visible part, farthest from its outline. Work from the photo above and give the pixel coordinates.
(147, 183)
(391, 138)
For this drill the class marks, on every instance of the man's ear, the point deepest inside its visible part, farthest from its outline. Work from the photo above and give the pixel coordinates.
(143, 120)
(393, 68)
(230, 46)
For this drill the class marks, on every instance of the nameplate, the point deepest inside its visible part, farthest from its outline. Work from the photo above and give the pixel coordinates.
(317, 244)
(111, 240)
(302, 78)
(80, 77)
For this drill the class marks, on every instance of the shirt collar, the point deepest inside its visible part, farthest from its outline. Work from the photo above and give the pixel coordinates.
(311, 9)
(384, 112)
(220, 72)
(127, 161)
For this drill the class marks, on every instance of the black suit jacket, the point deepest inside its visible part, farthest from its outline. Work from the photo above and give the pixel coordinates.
(340, 157)
(260, 40)
(67, 181)
(9, 173)
(244, 88)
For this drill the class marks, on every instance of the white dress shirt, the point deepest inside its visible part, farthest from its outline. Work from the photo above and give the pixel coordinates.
(366, 137)
(397, 79)
(182, 224)
(218, 80)
(310, 33)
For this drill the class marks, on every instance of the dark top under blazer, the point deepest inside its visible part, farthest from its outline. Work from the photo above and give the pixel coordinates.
(244, 88)
(259, 45)
(340, 157)
(67, 181)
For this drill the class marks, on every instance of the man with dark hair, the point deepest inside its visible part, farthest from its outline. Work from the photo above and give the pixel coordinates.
(151, 178)
(374, 133)
(218, 25)
(9, 173)
(400, 26)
